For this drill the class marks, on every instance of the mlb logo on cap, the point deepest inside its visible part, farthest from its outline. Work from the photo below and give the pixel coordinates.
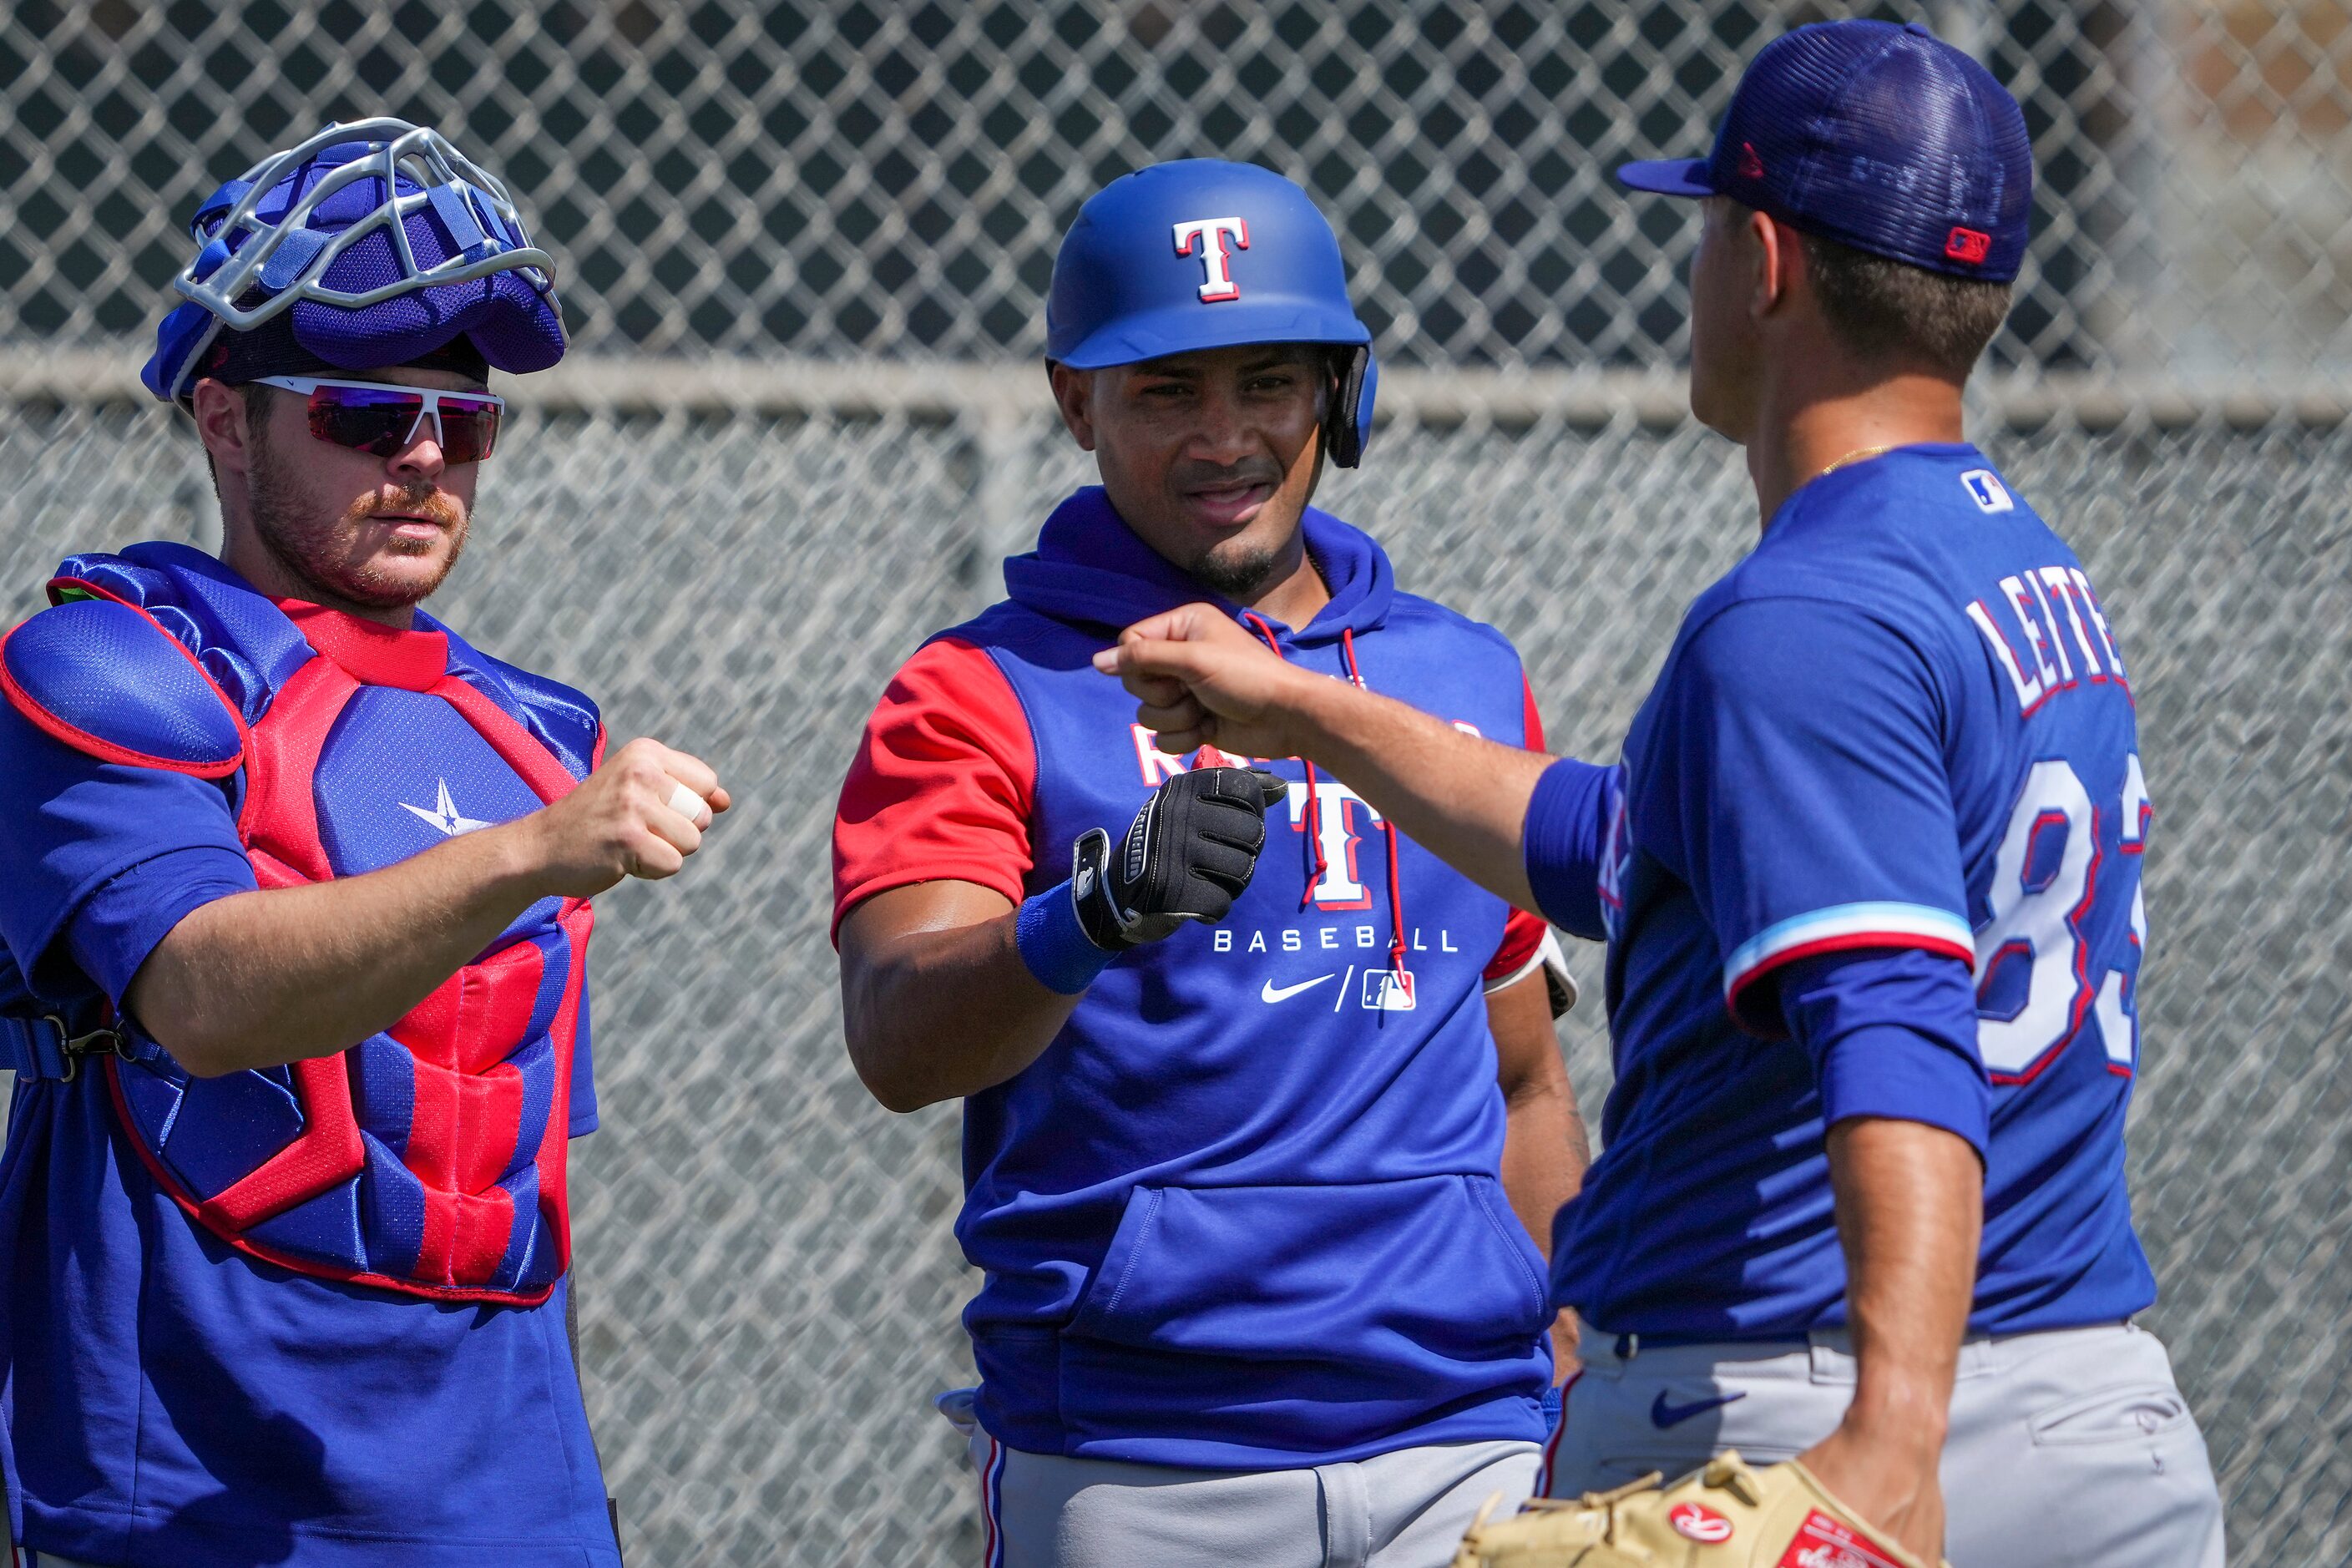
(1970, 246)
(1878, 137)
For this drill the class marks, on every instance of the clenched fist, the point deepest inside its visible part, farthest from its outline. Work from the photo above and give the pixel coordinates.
(1198, 680)
(640, 815)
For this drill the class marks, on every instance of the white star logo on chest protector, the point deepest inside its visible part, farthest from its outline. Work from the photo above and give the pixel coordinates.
(444, 816)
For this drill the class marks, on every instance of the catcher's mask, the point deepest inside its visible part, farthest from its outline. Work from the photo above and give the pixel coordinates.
(376, 243)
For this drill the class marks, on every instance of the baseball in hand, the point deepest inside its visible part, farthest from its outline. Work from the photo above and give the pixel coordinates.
(639, 815)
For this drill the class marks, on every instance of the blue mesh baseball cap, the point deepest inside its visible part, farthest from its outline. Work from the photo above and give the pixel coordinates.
(1880, 137)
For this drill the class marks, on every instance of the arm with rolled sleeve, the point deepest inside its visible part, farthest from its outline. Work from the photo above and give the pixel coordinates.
(1528, 945)
(1893, 1034)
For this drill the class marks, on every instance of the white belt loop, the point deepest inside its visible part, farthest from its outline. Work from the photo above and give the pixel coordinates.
(1347, 1514)
(1831, 1352)
(1606, 1361)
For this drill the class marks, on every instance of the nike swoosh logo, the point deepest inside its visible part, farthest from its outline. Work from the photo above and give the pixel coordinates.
(1663, 1414)
(1271, 994)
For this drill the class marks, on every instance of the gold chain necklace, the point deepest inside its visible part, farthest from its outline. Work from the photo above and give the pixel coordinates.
(1856, 455)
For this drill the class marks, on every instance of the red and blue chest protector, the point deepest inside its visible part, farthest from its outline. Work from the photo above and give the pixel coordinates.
(428, 1160)
(1245, 1211)
(222, 1342)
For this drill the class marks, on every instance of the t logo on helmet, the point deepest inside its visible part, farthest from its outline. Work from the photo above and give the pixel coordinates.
(1212, 233)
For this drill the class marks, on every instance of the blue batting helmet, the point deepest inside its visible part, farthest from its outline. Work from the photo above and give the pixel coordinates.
(1202, 254)
(371, 244)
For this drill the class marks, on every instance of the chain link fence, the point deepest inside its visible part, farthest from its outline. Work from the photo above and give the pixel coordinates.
(803, 249)
(833, 180)
(770, 1287)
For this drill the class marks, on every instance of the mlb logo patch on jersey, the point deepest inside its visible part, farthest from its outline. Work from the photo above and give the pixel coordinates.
(1388, 991)
(1986, 489)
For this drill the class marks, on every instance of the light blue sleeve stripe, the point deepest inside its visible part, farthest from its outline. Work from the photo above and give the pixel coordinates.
(1893, 920)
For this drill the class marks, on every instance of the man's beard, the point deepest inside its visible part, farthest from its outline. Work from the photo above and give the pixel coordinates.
(319, 555)
(1238, 575)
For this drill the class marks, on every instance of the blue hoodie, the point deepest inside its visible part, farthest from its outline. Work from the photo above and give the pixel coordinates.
(1245, 1211)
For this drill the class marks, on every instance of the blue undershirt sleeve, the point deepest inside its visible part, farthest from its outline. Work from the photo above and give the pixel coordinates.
(81, 830)
(119, 925)
(1562, 840)
(1891, 1033)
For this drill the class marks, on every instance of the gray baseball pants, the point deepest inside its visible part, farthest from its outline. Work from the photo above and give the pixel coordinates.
(2071, 1449)
(1403, 1510)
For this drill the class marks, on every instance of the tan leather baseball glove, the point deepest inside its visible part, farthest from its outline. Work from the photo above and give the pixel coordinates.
(1727, 1515)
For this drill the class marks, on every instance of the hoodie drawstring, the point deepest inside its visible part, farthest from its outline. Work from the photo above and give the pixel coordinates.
(1258, 624)
(1396, 877)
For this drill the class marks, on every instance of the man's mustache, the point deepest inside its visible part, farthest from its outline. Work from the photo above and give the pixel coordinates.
(430, 502)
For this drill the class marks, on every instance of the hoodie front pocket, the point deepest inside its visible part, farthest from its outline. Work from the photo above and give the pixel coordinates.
(1376, 1272)
(1243, 1325)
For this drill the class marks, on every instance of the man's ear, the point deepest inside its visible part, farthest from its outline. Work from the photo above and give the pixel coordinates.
(223, 425)
(1774, 249)
(1073, 392)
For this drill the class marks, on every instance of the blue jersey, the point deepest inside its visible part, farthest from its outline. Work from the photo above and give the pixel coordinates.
(169, 1400)
(1903, 726)
(1245, 1211)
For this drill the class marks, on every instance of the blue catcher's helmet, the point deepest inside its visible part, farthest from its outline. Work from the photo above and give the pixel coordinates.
(1202, 254)
(380, 243)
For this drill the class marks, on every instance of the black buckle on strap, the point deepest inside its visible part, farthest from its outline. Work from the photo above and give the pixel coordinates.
(72, 1048)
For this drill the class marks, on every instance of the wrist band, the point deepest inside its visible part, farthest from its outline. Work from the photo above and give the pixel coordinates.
(1054, 945)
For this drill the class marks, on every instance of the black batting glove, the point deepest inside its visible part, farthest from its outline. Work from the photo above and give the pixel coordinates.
(1187, 857)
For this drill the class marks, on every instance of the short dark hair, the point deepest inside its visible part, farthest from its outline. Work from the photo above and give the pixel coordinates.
(1891, 309)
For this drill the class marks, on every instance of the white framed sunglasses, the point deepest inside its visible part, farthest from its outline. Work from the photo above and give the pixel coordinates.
(382, 418)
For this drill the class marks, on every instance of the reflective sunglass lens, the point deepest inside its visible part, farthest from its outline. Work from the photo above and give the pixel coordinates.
(364, 419)
(380, 421)
(469, 428)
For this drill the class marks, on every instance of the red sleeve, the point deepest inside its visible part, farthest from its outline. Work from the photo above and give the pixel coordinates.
(1523, 933)
(942, 784)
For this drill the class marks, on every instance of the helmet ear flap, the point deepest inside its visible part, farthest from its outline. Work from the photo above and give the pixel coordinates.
(1348, 427)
